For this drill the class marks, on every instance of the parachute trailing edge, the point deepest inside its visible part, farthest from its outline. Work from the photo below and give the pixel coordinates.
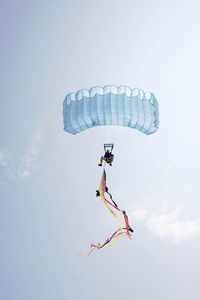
(110, 105)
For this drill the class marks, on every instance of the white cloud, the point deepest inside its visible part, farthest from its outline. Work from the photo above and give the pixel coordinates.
(167, 223)
(5, 166)
(34, 148)
(26, 169)
(25, 174)
(139, 214)
(3, 158)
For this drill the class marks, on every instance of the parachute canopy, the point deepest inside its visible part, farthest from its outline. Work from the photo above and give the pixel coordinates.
(110, 105)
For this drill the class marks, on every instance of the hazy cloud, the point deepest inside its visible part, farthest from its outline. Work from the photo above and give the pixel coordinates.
(2, 183)
(170, 225)
(3, 158)
(26, 169)
(5, 171)
(167, 223)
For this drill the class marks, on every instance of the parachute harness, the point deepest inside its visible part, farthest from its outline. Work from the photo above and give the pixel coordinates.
(121, 231)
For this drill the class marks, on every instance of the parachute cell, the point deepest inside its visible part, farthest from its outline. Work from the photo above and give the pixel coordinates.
(110, 105)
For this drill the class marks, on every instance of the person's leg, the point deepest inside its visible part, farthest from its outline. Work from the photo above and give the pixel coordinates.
(101, 161)
(110, 160)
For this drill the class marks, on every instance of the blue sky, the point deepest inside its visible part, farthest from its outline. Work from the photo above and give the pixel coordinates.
(49, 212)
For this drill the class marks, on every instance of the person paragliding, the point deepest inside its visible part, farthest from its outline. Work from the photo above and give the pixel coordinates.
(111, 105)
(108, 156)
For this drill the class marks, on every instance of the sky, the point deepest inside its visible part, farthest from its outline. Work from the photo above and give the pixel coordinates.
(48, 178)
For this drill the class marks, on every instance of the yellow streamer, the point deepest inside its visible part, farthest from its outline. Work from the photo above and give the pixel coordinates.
(112, 212)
